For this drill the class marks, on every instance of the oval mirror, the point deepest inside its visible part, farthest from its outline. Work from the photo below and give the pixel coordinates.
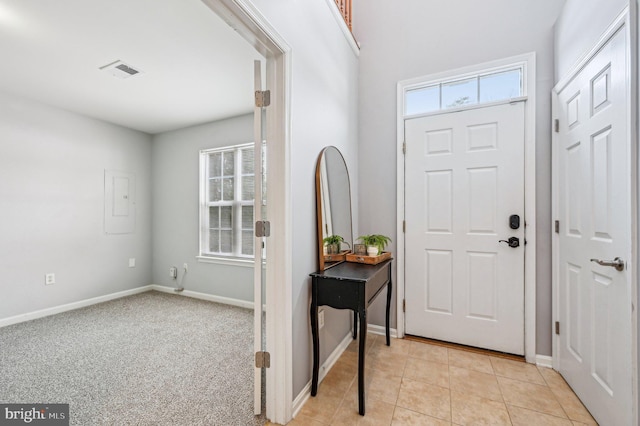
(333, 204)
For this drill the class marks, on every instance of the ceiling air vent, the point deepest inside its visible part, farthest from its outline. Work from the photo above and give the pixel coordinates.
(120, 69)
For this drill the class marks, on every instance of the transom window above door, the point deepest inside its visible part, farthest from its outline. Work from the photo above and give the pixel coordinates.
(464, 91)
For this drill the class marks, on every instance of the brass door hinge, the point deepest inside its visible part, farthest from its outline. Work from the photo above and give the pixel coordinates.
(263, 228)
(263, 98)
(557, 327)
(404, 305)
(263, 359)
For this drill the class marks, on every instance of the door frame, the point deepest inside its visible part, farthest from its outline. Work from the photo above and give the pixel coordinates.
(627, 19)
(528, 62)
(249, 22)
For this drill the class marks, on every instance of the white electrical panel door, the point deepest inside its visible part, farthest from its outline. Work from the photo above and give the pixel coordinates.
(119, 202)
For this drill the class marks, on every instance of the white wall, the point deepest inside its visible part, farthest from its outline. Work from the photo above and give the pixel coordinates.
(579, 27)
(412, 38)
(175, 209)
(52, 165)
(324, 85)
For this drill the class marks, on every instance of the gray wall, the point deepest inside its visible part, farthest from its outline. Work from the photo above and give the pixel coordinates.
(579, 27)
(324, 93)
(52, 165)
(175, 197)
(412, 38)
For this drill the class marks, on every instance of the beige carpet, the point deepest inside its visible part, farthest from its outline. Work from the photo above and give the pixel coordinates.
(148, 359)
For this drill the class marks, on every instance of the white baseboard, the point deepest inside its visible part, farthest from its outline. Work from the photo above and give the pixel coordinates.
(305, 393)
(204, 296)
(71, 306)
(302, 397)
(544, 361)
(95, 300)
(380, 330)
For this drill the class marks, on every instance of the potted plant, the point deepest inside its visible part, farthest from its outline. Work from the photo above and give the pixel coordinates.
(333, 243)
(375, 243)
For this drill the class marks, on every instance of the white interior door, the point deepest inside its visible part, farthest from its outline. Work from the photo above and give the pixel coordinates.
(594, 211)
(464, 179)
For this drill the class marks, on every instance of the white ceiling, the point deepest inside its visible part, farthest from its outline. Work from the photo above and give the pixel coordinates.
(195, 68)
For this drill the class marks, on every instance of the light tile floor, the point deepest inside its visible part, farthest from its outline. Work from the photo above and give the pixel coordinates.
(416, 383)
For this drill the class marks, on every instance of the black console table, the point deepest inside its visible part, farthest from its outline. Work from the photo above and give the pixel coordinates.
(349, 286)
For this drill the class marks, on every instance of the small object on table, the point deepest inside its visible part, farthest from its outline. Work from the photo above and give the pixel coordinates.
(360, 249)
(370, 260)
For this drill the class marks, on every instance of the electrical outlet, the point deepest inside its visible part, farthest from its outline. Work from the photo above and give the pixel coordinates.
(132, 262)
(173, 272)
(320, 319)
(49, 279)
(185, 266)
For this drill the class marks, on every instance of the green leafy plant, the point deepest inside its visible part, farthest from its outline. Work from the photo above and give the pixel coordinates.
(333, 239)
(333, 243)
(375, 240)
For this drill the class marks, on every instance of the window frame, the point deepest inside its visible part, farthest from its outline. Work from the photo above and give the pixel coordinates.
(235, 257)
(452, 79)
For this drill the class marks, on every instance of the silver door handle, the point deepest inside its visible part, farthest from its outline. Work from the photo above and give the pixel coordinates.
(616, 263)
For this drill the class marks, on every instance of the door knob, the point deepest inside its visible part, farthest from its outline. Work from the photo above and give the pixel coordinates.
(615, 263)
(513, 242)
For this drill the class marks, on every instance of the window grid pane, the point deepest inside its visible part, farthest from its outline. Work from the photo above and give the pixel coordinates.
(423, 100)
(215, 164)
(215, 191)
(227, 189)
(247, 161)
(460, 93)
(502, 85)
(229, 163)
(247, 242)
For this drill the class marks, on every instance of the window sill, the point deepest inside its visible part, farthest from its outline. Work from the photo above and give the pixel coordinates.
(230, 261)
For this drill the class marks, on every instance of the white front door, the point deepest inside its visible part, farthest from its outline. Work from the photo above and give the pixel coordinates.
(464, 188)
(594, 211)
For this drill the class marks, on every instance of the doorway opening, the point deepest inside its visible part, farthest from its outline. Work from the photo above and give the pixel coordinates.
(255, 28)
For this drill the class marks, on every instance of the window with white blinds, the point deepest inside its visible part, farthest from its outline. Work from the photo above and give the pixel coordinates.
(226, 200)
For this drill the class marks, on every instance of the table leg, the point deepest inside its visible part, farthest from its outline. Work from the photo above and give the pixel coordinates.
(355, 325)
(361, 354)
(316, 350)
(389, 288)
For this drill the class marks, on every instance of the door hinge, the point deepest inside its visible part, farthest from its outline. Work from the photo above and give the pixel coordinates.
(557, 327)
(404, 226)
(404, 305)
(557, 226)
(263, 359)
(556, 125)
(404, 147)
(263, 228)
(263, 98)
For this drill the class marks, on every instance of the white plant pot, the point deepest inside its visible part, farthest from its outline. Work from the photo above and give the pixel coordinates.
(372, 250)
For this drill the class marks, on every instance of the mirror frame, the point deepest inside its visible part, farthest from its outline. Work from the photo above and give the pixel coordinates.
(319, 217)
